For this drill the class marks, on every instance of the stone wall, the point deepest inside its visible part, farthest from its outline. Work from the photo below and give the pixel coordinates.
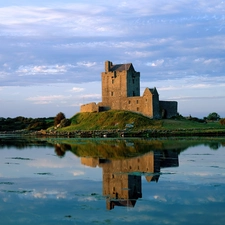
(90, 107)
(169, 108)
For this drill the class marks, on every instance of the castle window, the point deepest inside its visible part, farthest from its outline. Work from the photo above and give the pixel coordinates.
(137, 101)
(133, 93)
(129, 102)
(137, 108)
(111, 93)
(133, 80)
(112, 81)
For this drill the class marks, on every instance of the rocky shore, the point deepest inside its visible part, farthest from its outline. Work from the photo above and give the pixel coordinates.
(130, 133)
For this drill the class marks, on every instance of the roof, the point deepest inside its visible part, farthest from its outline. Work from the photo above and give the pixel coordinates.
(121, 67)
(152, 90)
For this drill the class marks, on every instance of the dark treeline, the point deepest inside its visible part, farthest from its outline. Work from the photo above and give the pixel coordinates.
(20, 123)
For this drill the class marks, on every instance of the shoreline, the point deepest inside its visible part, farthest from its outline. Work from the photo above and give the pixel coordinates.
(119, 133)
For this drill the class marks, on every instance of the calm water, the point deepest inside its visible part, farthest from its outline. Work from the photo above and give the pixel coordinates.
(105, 181)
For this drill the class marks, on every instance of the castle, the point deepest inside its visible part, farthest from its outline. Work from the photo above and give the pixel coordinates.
(121, 91)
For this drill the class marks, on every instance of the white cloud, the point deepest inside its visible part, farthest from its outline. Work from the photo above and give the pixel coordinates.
(55, 194)
(77, 89)
(33, 70)
(185, 98)
(87, 199)
(91, 96)
(139, 54)
(160, 198)
(77, 173)
(155, 63)
(47, 163)
(185, 86)
(86, 64)
(47, 99)
(75, 19)
(168, 88)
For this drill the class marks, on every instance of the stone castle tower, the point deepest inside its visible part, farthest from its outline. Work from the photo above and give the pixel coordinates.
(121, 91)
(119, 82)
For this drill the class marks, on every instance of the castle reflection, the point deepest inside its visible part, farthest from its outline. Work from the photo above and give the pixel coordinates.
(122, 184)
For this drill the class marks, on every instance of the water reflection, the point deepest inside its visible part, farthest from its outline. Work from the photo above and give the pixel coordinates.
(124, 162)
(122, 183)
(122, 178)
(91, 175)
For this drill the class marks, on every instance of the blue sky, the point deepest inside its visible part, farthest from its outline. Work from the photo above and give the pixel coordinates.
(52, 53)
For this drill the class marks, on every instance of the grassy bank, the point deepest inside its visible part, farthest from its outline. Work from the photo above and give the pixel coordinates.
(113, 123)
(133, 123)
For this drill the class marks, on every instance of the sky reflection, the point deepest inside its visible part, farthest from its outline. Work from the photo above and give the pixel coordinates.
(39, 187)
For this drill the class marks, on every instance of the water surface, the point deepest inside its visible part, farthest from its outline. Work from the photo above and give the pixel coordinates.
(99, 181)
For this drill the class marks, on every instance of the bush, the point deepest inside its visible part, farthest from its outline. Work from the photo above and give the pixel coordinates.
(65, 123)
(197, 119)
(59, 117)
(222, 121)
(213, 116)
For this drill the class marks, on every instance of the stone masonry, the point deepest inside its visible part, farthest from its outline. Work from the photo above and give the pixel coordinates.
(121, 91)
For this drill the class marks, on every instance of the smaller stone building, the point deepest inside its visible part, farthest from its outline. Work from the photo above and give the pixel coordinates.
(121, 91)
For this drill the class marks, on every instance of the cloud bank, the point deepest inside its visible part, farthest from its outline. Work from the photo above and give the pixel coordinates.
(55, 43)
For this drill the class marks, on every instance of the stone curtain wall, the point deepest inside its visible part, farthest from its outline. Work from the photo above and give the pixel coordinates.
(90, 107)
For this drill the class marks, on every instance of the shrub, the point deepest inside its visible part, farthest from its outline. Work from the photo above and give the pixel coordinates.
(196, 119)
(65, 123)
(222, 121)
(59, 117)
(213, 116)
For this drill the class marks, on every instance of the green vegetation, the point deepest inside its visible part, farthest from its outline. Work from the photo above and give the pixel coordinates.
(126, 148)
(23, 123)
(110, 148)
(213, 116)
(113, 119)
(116, 119)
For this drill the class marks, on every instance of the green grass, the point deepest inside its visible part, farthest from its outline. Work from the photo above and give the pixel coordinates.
(117, 119)
(113, 119)
(186, 124)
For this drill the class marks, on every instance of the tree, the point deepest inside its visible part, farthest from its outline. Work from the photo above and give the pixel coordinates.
(59, 117)
(213, 116)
